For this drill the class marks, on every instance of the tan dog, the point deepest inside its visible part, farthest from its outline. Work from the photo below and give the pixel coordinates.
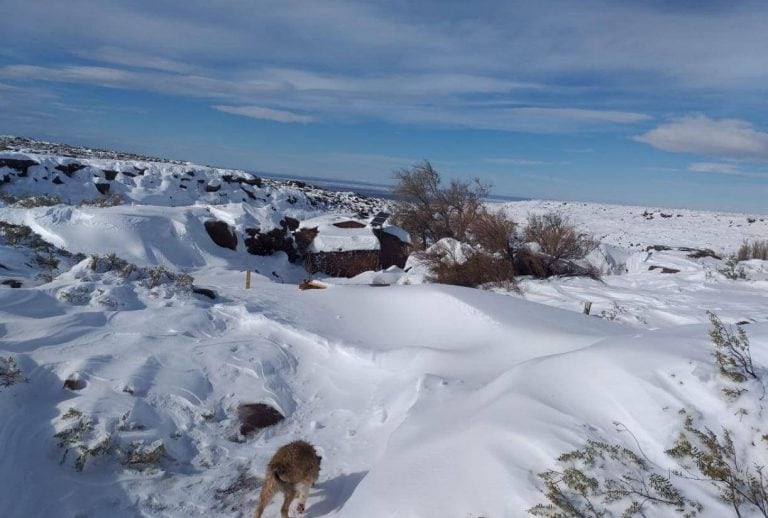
(294, 469)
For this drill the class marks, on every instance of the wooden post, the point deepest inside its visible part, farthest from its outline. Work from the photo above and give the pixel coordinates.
(587, 307)
(247, 279)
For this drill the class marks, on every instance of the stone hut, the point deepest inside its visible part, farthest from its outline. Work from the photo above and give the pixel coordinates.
(345, 247)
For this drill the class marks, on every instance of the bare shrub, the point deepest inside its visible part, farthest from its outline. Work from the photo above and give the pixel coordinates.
(492, 231)
(111, 200)
(31, 202)
(430, 211)
(558, 237)
(757, 249)
(732, 269)
(558, 245)
(472, 268)
(15, 234)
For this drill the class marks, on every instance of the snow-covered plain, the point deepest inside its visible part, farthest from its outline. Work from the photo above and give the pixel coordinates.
(424, 400)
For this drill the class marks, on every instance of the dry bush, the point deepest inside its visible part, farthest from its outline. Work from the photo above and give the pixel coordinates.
(559, 245)
(430, 211)
(492, 231)
(31, 202)
(478, 268)
(103, 201)
(558, 237)
(757, 249)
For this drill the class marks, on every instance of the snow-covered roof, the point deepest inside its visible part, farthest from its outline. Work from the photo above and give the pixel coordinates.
(398, 232)
(331, 238)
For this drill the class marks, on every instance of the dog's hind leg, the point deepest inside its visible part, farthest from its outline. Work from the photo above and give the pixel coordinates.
(290, 494)
(268, 491)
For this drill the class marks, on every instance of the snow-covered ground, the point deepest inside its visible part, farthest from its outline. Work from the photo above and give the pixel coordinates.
(424, 400)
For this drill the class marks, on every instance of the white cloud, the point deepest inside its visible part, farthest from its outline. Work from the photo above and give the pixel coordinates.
(258, 112)
(729, 138)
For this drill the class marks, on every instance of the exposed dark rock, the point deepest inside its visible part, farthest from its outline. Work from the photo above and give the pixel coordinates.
(190, 173)
(706, 252)
(221, 234)
(57, 181)
(204, 292)
(290, 223)
(109, 174)
(257, 416)
(103, 188)
(228, 178)
(253, 181)
(276, 240)
(249, 193)
(70, 168)
(664, 269)
(212, 188)
(128, 174)
(658, 248)
(20, 165)
(349, 224)
(140, 170)
(12, 283)
(73, 382)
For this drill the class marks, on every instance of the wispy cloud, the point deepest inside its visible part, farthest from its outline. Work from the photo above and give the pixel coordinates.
(426, 99)
(520, 161)
(727, 168)
(728, 138)
(259, 112)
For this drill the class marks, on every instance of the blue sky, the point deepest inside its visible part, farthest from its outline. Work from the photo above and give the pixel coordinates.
(659, 103)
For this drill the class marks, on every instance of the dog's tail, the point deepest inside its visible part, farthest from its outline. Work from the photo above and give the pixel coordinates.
(280, 472)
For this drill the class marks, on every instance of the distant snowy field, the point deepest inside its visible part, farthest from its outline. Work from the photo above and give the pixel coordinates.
(424, 400)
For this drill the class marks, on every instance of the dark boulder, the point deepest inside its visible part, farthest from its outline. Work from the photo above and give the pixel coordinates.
(18, 164)
(103, 188)
(70, 168)
(276, 240)
(221, 234)
(256, 416)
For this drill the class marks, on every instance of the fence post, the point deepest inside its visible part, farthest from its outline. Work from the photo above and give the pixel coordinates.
(247, 279)
(587, 307)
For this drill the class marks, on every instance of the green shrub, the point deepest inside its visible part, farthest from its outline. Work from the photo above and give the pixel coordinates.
(733, 355)
(586, 486)
(10, 372)
(715, 458)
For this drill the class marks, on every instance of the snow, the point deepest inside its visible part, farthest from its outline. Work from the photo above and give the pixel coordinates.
(424, 400)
